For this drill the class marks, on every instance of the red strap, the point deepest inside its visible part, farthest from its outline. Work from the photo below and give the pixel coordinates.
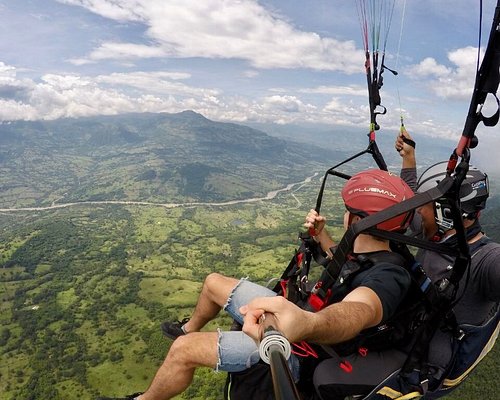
(346, 366)
(283, 284)
(305, 350)
(363, 351)
(318, 303)
(299, 259)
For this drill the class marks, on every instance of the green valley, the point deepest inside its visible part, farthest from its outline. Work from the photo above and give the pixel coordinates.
(84, 288)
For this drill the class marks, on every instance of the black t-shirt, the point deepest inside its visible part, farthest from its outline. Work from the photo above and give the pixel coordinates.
(389, 281)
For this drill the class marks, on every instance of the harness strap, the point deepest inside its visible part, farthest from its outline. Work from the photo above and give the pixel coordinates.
(296, 273)
(413, 241)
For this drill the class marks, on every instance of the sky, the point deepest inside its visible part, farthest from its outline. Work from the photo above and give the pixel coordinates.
(243, 61)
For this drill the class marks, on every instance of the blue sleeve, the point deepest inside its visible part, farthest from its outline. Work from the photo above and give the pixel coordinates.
(390, 282)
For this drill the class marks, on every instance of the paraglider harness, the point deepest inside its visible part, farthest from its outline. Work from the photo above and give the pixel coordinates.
(427, 308)
(470, 343)
(432, 309)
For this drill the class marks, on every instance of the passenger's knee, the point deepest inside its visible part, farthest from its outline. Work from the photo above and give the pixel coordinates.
(180, 349)
(213, 279)
(214, 282)
(218, 287)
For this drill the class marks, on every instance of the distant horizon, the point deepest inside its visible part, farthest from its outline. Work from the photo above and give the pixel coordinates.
(248, 61)
(482, 156)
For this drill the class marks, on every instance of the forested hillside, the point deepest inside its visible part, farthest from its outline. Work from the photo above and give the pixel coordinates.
(146, 157)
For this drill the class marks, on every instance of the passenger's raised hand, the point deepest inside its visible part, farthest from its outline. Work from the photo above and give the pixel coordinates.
(314, 222)
(404, 144)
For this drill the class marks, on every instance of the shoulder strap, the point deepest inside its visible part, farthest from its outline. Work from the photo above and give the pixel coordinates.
(379, 257)
(365, 261)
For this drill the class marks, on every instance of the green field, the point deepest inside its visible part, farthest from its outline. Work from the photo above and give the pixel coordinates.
(84, 290)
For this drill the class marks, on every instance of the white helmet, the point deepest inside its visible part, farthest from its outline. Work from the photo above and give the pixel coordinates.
(474, 191)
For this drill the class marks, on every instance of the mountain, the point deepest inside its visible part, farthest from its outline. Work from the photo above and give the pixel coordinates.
(431, 149)
(147, 157)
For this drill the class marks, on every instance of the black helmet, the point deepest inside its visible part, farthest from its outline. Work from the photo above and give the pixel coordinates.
(473, 192)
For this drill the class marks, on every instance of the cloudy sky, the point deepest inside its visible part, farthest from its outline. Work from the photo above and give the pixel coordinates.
(278, 61)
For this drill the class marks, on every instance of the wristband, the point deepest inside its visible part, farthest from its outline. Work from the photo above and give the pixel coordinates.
(409, 142)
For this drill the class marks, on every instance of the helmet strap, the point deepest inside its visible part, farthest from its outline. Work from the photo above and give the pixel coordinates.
(352, 216)
(354, 212)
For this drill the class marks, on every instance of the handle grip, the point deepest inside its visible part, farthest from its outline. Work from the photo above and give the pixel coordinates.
(272, 340)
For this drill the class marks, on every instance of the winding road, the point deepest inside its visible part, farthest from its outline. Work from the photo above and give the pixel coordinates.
(271, 195)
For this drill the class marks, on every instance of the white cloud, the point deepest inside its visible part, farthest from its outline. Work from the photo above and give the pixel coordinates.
(346, 112)
(120, 10)
(120, 51)
(12, 110)
(465, 58)
(454, 82)
(353, 90)
(11, 87)
(68, 95)
(289, 104)
(61, 96)
(429, 67)
(276, 109)
(80, 61)
(220, 29)
(7, 71)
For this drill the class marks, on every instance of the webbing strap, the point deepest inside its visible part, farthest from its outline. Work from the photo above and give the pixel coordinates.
(462, 260)
(308, 248)
(389, 392)
(377, 155)
(395, 395)
(413, 241)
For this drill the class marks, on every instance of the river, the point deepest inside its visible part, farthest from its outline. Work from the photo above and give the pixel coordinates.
(271, 195)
